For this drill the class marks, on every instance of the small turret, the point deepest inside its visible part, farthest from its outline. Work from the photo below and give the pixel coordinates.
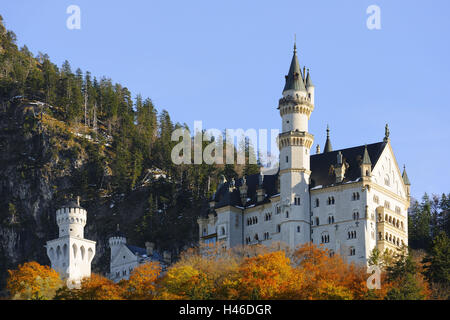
(328, 147)
(366, 165)
(318, 149)
(310, 87)
(406, 182)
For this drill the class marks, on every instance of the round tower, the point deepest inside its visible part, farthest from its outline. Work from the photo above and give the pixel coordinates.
(71, 219)
(295, 143)
(71, 255)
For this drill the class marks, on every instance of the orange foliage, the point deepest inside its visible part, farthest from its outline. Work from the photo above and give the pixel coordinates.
(141, 284)
(329, 277)
(32, 281)
(268, 276)
(94, 288)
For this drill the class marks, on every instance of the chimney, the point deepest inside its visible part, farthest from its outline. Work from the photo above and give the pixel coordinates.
(149, 246)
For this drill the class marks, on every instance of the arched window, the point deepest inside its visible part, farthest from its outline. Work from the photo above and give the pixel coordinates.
(317, 202)
(287, 214)
(298, 228)
(317, 221)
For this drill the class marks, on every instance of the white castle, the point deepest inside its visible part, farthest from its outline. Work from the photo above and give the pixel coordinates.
(350, 200)
(71, 255)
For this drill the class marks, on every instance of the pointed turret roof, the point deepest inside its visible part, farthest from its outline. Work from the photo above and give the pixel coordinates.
(328, 147)
(308, 80)
(366, 158)
(405, 177)
(294, 79)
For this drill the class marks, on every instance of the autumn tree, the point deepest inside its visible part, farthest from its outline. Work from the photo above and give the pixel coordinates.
(142, 282)
(94, 287)
(207, 272)
(32, 281)
(268, 276)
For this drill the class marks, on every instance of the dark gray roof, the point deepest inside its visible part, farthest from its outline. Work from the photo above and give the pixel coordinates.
(322, 165)
(294, 79)
(322, 174)
(308, 80)
(143, 252)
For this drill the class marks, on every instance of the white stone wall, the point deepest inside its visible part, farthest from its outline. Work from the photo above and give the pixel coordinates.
(122, 263)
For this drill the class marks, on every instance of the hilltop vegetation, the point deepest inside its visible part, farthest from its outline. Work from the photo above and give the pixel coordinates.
(66, 133)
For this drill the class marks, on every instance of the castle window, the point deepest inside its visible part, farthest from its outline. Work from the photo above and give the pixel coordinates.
(355, 215)
(331, 253)
(325, 237)
(387, 205)
(352, 251)
(266, 236)
(256, 238)
(376, 199)
(330, 219)
(397, 209)
(287, 159)
(317, 221)
(297, 201)
(330, 200)
(278, 210)
(298, 228)
(317, 202)
(278, 228)
(351, 234)
(287, 214)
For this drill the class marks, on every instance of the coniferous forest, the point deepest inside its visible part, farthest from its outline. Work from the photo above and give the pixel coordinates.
(65, 132)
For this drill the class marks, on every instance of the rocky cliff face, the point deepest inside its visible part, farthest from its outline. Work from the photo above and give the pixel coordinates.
(42, 161)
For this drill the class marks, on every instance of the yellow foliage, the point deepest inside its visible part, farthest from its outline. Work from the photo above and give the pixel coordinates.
(32, 281)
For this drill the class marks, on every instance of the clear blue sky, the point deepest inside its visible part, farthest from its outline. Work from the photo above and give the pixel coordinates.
(223, 62)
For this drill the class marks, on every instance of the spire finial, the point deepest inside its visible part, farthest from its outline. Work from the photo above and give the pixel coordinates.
(295, 43)
(386, 133)
(328, 147)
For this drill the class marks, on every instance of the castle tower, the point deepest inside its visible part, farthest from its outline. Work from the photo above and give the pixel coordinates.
(116, 241)
(71, 255)
(295, 143)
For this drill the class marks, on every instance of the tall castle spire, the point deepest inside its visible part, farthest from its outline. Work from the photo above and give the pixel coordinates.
(294, 79)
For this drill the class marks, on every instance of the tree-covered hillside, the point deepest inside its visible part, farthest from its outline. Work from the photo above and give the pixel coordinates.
(66, 133)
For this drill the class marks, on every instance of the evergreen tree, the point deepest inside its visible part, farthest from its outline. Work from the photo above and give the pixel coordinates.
(438, 260)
